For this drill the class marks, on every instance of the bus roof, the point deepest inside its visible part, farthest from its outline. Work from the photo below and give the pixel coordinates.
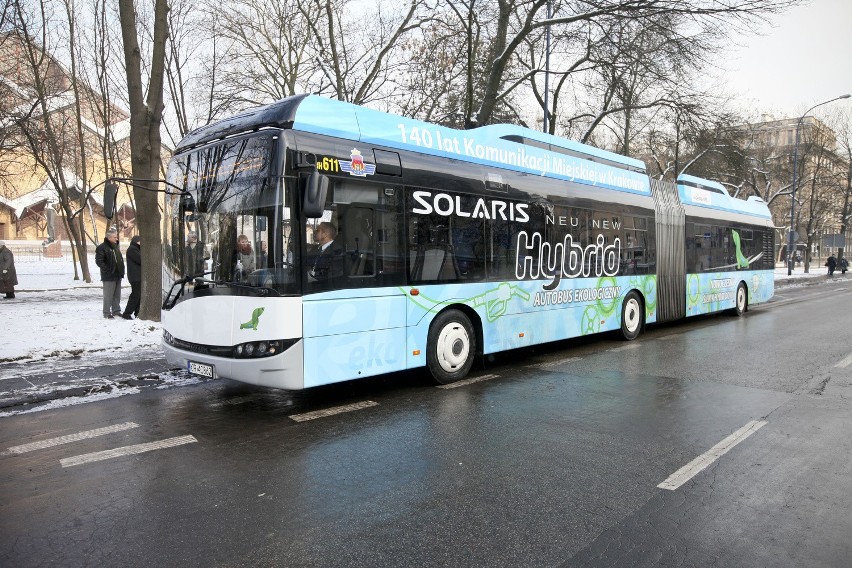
(713, 195)
(499, 145)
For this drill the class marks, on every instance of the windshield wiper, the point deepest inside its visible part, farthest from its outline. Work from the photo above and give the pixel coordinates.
(260, 290)
(168, 303)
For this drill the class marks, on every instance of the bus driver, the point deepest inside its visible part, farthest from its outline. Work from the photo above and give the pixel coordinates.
(329, 261)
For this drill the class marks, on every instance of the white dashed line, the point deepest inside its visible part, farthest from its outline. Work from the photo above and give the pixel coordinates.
(468, 382)
(24, 448)
(845, 362)
(332, 411)
(691, 469)
(127, 451)
(555, 364)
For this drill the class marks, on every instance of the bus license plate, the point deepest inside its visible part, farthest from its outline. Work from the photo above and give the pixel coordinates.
(201, 369)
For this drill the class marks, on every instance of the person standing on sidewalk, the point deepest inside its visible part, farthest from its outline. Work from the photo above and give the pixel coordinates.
(8, 276)
(109, 260)
(831, 263)
(134, 276)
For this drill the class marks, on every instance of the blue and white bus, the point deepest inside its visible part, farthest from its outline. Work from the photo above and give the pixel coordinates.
(317, 241)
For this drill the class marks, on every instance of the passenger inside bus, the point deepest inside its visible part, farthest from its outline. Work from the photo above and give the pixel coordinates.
(195, 254)
(244, 262)
(262, 254)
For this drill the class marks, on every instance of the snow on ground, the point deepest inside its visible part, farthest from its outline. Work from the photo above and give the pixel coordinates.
(54, 317)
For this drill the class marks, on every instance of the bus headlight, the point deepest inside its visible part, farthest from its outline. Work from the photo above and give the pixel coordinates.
(254, 349)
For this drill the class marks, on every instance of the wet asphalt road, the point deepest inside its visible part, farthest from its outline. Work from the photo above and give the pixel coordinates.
(552, 459)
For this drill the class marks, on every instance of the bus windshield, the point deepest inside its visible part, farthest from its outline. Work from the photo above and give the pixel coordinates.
(226, 228)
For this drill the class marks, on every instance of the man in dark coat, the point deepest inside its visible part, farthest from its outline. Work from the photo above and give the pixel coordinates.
(109, 260)
(8, 276)
(134, 276)
(831, 263)
(328, 263)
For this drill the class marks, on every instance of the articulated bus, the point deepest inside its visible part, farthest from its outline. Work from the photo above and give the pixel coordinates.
(312, 241)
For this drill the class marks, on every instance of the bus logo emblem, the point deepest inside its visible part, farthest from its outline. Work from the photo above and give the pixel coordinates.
(255, 318)
(357, 167)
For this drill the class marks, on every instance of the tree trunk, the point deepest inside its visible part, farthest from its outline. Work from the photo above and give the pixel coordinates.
(145, 143)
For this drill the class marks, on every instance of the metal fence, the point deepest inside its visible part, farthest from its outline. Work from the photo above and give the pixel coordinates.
(37, 254)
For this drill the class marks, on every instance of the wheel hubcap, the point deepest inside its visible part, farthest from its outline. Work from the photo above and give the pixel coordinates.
(631, 316)
(453, 347)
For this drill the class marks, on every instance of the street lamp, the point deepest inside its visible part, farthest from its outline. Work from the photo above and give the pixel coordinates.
(790, 243)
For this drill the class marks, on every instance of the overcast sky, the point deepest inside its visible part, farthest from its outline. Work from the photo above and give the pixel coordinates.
(804, 58)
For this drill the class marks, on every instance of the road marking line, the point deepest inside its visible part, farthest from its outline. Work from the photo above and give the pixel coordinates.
(468, 382)
(332, 411)
(845, 362)
(24, 448)
(127, 451)
(555, 364)
(691, 469)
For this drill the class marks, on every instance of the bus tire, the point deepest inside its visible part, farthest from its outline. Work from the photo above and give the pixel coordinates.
(451, 347)
(740, 300)
(631, 316)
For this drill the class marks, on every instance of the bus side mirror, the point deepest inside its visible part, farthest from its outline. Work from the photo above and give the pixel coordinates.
(110, 193)
(313, 198)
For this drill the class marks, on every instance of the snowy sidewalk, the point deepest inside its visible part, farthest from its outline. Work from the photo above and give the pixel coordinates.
(55, 318)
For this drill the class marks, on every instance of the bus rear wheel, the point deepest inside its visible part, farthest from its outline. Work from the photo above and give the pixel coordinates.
(451, 347)
(631, 316)
(741, 300)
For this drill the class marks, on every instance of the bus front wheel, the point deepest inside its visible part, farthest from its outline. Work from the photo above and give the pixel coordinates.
(631, 316)
(451, 348)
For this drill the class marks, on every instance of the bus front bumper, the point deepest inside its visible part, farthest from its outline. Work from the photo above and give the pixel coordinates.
(282, 371)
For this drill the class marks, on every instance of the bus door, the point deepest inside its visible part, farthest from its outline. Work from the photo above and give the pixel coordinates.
(354, 309)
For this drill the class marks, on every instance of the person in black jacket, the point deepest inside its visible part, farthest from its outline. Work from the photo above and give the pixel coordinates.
(831, 263)
(8, 276)
(109, 260)
(134, 276)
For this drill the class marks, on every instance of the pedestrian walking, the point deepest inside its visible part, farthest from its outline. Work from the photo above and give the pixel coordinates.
(844, 265)
(109, 260)
(831, 263)
(134, 276)
(8, 276)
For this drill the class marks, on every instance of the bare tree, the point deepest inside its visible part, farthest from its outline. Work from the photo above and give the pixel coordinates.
(266, 53)
(146, 114)
(817, 189)
(345, 49)
(197, 92)
(844, 140)
(53, 134)
(356, 61)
